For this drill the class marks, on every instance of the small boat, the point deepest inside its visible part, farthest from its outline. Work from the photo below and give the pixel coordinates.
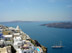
(57, 46)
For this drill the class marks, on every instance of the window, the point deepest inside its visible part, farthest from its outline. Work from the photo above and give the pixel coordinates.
(7, 39)
(24, 52)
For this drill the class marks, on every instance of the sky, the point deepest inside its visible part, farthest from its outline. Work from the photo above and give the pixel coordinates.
(35, 10)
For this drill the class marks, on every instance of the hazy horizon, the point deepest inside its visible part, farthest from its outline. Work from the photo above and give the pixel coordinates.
(35, 10)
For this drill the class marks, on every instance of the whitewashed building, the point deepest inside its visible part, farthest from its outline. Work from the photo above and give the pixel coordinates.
(8, 39)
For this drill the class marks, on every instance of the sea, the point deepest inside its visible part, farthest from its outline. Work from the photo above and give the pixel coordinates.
(47, 36)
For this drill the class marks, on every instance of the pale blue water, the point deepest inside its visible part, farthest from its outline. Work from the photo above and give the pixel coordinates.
(47, 36)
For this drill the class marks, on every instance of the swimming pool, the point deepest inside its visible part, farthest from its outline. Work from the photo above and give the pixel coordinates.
(38, 49)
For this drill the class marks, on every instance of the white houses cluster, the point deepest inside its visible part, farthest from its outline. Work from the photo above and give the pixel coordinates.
(17, 38)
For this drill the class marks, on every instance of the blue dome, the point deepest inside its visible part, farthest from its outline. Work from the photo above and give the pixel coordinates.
(1, 35)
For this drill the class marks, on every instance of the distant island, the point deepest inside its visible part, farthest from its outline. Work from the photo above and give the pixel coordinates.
(20, 21)
(17, 21)
(67, 25)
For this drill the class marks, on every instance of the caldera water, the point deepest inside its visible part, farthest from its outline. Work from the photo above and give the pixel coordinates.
(45, 35)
